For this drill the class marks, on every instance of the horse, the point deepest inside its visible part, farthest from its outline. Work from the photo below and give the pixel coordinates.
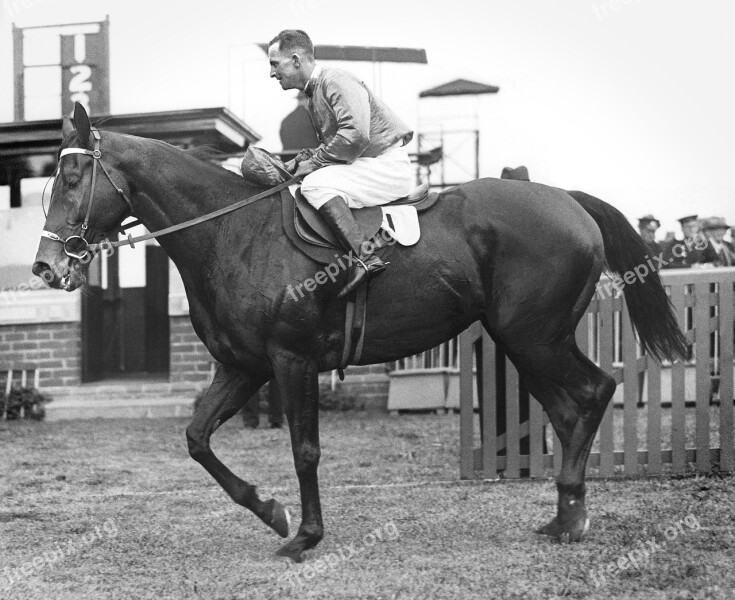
(522, 258)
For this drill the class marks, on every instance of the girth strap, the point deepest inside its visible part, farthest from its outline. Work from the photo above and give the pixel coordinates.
(355, 320)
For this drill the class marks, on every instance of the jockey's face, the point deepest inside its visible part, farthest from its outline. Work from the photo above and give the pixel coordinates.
(287, 68)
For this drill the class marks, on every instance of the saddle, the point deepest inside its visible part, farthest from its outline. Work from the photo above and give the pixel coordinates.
(306, 230)
(310, 234)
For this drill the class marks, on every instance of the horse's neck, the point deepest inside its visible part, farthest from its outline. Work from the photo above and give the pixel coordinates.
(171, 187)
(183, 186)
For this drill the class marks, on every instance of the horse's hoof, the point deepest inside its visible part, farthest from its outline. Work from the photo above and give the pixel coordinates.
(291, 551)
(302, 542)
(280, 518)
(572, 531)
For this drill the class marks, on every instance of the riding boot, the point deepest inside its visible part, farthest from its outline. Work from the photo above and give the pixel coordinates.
(342, 223)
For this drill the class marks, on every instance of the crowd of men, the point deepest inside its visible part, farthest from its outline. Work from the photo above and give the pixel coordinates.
(702, 243)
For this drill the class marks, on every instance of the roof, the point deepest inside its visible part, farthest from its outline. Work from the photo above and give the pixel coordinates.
(367, 53)
(23, 143)
(460, 87)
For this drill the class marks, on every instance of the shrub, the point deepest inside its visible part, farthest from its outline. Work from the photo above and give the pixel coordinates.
(29, 399)
(338, 399)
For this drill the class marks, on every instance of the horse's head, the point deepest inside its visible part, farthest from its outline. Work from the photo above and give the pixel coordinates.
(89, 199)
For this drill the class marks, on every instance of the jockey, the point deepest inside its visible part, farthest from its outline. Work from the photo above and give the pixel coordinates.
(361, 160)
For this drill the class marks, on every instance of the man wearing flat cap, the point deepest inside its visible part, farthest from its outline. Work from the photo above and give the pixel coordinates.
(688, 252)
(647, 226)
(719, 251)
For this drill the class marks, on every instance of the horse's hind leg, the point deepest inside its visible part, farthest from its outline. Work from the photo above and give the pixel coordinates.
(297, 378)
(227, 394)
(575, 393)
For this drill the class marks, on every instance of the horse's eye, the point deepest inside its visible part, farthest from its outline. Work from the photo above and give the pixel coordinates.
(72, 183)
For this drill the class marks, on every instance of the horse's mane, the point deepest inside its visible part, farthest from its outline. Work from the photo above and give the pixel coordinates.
(206, 154)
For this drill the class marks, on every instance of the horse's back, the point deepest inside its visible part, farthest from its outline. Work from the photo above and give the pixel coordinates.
(528, 207)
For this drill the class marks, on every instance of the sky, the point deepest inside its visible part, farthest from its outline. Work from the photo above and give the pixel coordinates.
(631, 101)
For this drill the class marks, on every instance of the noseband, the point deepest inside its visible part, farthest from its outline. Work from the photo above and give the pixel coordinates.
(77, 246)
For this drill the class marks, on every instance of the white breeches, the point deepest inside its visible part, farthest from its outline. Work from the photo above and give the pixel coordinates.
(365, 182)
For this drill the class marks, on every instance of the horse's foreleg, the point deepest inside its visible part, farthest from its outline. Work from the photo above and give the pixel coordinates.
(297, 379)
(227, 394)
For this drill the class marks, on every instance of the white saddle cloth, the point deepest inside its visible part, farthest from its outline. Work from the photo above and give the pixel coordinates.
(402, 222)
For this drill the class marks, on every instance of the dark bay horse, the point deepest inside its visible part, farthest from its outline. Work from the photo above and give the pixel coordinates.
(520, 257)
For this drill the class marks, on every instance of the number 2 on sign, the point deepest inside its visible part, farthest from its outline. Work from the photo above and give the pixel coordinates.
(79, 86)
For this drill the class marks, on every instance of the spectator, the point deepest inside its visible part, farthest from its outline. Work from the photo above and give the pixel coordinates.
(251, 411)
(687, 252)
(647, 226)
(517, 173)
(719, 251)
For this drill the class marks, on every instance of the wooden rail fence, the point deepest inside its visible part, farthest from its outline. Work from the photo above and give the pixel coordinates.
(673, 418)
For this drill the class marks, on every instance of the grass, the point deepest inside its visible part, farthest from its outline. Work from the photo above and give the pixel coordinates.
(148, 522)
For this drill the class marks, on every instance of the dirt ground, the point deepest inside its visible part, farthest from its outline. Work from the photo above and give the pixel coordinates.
(117, 509)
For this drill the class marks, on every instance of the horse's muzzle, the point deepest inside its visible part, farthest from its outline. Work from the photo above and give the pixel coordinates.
(69, 281)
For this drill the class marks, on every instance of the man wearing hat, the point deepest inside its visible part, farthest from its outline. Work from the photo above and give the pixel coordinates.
(719, 251)
(647, 226)
(517, 173)
(682, 254)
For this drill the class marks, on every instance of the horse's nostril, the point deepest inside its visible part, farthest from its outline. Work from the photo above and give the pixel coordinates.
(40, 267)
(43, 270)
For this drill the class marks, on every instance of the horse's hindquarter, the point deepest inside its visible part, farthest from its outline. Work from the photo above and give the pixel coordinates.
(532, 229)
(491, 248)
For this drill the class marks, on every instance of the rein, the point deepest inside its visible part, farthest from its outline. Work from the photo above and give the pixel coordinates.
(69, 243)
(131, 241)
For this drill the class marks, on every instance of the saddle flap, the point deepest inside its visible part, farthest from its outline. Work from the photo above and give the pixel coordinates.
(313, 229)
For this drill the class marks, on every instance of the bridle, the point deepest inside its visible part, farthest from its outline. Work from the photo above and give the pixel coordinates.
(76, 246)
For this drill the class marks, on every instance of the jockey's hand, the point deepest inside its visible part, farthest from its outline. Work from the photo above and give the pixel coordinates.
(291, 166)
(305, 167)
(305, 154)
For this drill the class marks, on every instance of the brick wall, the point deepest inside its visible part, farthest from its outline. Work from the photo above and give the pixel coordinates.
(190, 361)
(369, 384)
(55, 347)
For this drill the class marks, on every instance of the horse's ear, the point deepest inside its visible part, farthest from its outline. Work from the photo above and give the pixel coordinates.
(81, 124)
(66, 127)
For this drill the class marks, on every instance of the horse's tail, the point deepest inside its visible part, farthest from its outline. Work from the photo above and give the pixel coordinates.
(649, 306)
